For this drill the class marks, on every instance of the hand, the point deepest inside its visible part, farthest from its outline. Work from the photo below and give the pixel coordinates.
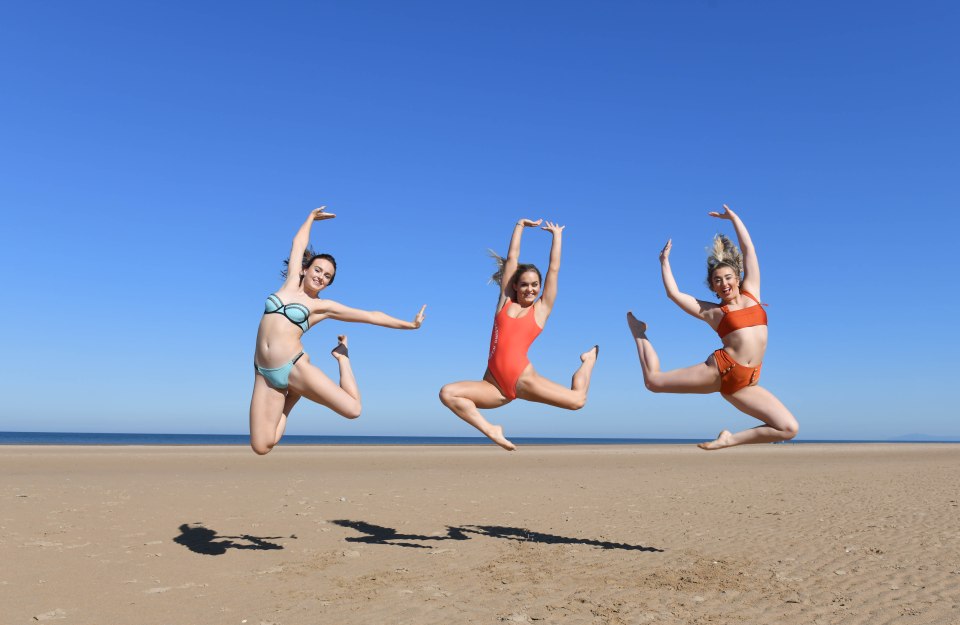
(529, 223)
(419, 318)
(726, 214)
(553, 228)
(319, 214)
(665, 252)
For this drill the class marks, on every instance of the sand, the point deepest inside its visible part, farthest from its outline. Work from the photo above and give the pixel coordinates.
(640, 534)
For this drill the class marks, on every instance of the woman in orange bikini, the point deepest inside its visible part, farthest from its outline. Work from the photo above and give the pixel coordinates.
(742, 325)
(519, 320)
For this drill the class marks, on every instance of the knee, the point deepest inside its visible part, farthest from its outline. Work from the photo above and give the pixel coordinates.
(352, 412)
(577, 403)
(790, 430)
(261, 449)
(446, 395)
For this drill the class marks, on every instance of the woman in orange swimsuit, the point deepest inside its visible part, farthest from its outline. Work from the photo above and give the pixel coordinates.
(742, 325)
(519, 320)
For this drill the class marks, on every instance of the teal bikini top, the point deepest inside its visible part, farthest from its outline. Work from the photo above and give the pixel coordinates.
(297, 313)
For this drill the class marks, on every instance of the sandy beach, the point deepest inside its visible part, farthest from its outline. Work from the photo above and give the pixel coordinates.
(578, 534)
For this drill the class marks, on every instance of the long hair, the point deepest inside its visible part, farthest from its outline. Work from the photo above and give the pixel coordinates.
(723, 253)
(309, 255)
(521, 269)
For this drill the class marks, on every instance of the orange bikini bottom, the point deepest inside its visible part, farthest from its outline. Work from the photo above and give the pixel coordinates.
(733, 375)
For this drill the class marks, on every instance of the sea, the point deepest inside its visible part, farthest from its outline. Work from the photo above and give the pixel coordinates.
(111, 438)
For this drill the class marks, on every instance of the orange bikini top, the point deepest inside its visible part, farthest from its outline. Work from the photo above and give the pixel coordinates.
(743, 318)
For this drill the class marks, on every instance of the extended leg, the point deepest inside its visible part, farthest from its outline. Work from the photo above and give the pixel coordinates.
(701, 378)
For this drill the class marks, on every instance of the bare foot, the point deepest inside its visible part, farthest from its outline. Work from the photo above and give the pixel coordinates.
(724, 439)
(496, 435)
(637, 327)
(341, 351)
(590, 355)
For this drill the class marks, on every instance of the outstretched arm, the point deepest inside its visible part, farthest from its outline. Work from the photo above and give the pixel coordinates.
(329, 309)
(549, 293)
(300, 242)
(687, 302)
(751, 266)
(513, 259)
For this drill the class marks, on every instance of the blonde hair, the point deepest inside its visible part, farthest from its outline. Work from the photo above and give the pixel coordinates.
(501, 263)
(723, 254)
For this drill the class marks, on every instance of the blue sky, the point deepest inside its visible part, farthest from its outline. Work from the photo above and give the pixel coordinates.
(158, 157)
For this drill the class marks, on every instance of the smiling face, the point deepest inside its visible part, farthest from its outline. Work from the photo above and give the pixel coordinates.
(725, 282)
(318, 276)
(527, 287)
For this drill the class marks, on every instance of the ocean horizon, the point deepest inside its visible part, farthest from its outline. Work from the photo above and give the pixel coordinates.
(133, 439)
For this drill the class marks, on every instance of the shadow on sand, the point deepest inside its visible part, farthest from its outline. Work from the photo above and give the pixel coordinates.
(379, 535)
(200, 539)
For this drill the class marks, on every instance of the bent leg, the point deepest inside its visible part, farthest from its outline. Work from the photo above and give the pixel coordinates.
(759, 403)
(464, 398)
(534, 387)
(266, 416)
(288, 403)
(701, 378)
(310, 382)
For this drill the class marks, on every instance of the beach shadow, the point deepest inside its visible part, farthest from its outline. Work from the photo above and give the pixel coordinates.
(525, 535)
(203, 540)
(380, 535)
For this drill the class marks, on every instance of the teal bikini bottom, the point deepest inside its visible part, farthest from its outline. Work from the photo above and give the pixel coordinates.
(278, 378)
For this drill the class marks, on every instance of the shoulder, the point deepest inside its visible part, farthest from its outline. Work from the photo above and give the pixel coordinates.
(318, 305)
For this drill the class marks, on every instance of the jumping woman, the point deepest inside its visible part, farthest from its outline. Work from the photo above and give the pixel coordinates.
(282, 371)
(519, 319)
(741, 322)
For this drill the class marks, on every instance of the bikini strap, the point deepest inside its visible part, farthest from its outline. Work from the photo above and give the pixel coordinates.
(750, 295)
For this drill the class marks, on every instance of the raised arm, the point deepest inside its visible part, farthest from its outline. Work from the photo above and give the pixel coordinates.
(328, 309)
(513, 259)
(300, 242)
(549, 292)
(751, 265)
(687, 302)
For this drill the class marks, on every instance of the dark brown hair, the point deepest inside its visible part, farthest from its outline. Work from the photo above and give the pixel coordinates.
(309, 255)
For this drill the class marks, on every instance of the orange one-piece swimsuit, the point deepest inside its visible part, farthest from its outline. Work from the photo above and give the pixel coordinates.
(509, 342)
(733, 375)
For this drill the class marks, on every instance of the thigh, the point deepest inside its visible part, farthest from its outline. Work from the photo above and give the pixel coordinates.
(290, 401)
(534, 387)
(700, 378)
(760, 403)
(266, 408)
(483, 394)
(310, 382)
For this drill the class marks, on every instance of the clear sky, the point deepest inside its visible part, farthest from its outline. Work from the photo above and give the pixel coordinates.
(156, 159)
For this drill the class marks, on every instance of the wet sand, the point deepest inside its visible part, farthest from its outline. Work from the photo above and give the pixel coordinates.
(579, 534)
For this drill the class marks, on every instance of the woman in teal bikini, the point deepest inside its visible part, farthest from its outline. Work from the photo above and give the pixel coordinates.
(283, 373)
